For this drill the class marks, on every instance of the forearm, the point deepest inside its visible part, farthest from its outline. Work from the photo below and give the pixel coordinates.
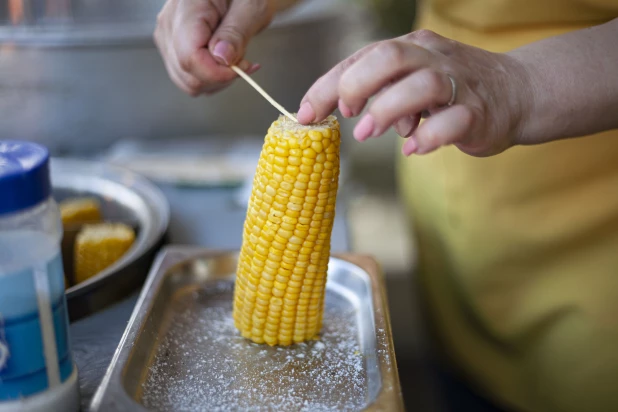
(574, 84)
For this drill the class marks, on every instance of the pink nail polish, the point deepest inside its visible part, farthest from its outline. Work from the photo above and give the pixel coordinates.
(365, 128)
(305, 114)
(410, 146)
(254, 68)
(224, 52)
(425, 150)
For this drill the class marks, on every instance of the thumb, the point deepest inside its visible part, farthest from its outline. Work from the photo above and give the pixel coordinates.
(244, 19)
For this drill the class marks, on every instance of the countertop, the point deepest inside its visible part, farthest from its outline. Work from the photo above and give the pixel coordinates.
(208, 217)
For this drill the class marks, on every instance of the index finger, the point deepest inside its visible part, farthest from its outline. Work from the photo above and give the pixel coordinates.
(321, 98)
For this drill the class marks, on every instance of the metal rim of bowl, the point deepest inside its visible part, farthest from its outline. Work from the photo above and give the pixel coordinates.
(153, 209)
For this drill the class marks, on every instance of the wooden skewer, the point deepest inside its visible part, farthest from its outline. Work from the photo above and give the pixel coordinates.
(263, 93)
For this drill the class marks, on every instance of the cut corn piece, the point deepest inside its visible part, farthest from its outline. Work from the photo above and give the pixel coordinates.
(82, 210)
(100, 245)
(281, 275)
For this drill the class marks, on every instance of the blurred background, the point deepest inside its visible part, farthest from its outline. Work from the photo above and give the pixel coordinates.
(84, 78)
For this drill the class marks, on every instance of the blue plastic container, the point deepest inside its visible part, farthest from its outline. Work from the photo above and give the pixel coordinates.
(37, 372)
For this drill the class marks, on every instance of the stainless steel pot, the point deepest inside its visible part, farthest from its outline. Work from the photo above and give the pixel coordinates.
(82, 74)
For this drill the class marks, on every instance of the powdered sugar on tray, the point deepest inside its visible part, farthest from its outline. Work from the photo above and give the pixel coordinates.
(202, 363)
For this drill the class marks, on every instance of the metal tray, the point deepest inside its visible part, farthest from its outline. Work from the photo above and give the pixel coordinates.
(124, 196)
(181, 352)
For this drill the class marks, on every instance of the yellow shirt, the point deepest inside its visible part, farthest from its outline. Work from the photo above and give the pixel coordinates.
(519, 252)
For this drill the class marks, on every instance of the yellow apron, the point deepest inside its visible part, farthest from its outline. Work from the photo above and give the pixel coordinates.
(518, 252)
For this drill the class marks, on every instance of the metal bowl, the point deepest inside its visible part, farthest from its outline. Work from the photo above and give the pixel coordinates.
(124, 196)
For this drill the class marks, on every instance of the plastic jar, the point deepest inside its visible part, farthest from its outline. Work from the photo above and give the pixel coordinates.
(37, 372)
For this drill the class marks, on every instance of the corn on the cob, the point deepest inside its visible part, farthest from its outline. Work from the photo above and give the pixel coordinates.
(100, 245)
(281, 275)
(82, 210)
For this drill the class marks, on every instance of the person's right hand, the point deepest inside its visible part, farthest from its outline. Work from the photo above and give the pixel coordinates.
(199, 39)
(477, 100)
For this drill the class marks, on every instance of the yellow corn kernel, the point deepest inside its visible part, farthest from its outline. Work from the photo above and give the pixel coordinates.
(98, 246)
(281, 274)
(82, 210)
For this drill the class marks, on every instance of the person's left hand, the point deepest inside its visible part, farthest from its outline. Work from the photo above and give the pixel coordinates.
(410, 76)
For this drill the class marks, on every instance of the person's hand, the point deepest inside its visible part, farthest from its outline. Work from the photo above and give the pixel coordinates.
(199, 39)
(410, 77)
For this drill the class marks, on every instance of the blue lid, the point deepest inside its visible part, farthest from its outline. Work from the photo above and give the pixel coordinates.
(24, 175)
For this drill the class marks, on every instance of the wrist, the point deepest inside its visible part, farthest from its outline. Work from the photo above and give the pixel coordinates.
(523, 91)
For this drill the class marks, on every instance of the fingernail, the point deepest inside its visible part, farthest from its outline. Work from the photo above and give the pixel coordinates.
(224, 52)
(410, 146)
(305, 114)
(412, 129)
(254, 68)
(406, 125)
(344, 109)
(425, 150)
(364, 128)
